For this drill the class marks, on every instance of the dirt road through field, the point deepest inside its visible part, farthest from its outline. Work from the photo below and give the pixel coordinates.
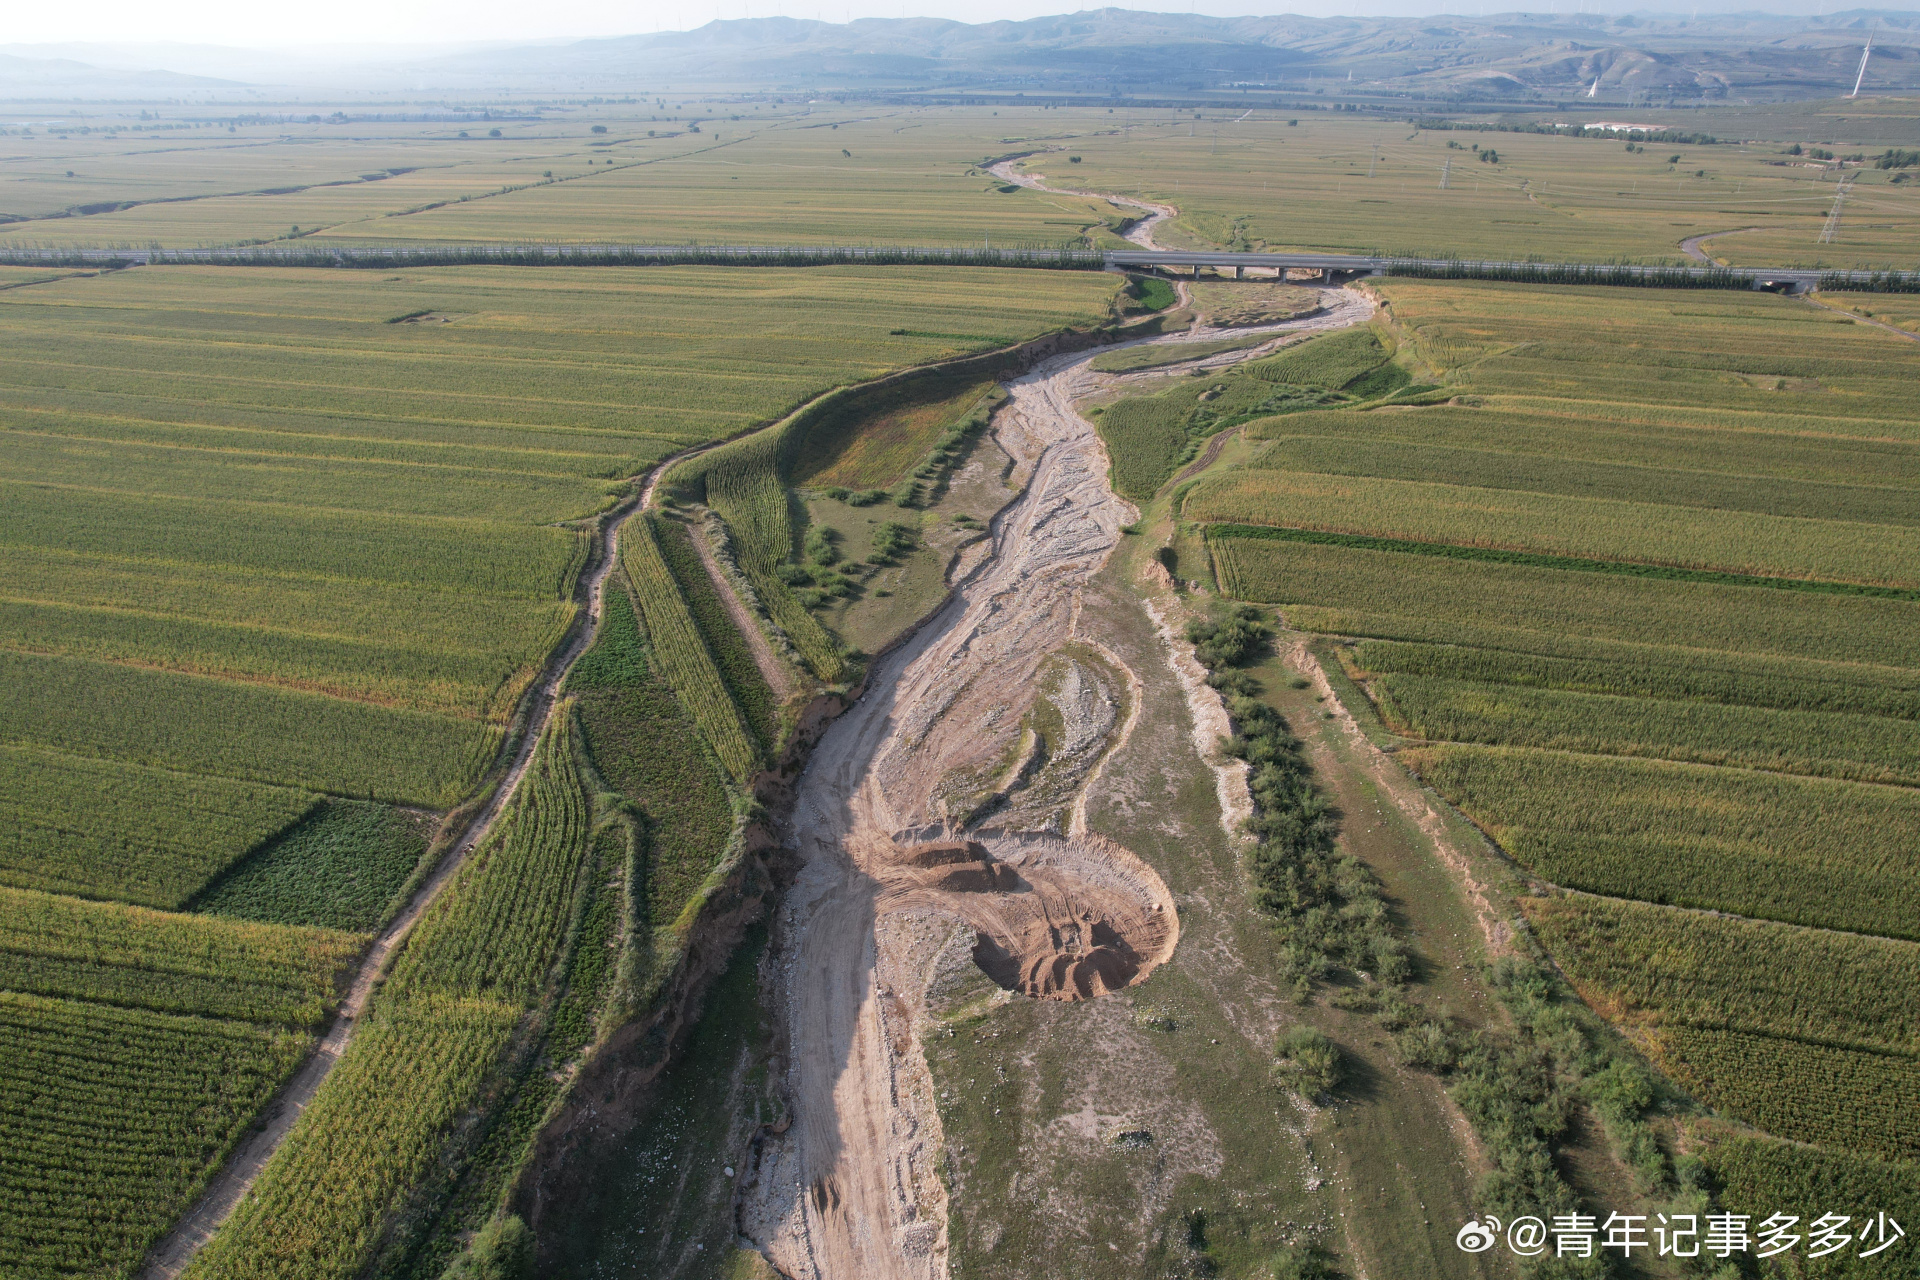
(1140, 233)
(935, 803)
(170, 1256)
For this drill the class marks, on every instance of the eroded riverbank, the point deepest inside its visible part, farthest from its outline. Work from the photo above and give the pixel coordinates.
(931, 815)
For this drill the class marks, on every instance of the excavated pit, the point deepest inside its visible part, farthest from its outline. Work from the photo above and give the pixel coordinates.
(1085, 919)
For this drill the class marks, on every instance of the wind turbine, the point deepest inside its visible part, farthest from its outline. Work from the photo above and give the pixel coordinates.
(1864, 55)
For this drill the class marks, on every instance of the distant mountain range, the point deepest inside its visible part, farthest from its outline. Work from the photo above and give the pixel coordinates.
(31, 77)
(1103, 52)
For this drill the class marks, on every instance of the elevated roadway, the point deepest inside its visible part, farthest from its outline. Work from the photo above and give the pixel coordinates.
(1786, 279)
(1177, 261)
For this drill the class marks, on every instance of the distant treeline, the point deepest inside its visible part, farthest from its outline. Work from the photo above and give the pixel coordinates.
(1895, 158)
(1568, 131)
(1566, 273)
(1041, 256)
(1872, 282)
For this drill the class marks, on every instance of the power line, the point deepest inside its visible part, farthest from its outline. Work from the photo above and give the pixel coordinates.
(1833, 217)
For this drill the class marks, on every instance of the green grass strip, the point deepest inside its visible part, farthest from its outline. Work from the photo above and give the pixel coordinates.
(1623, 568)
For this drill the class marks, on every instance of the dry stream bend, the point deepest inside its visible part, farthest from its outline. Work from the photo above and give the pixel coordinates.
(942, 814)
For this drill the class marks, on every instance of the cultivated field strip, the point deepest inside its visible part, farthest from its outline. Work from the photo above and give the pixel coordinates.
(112, 1118)
(277, 558)
(464, 1031)
(685, 661)
(1557, 524)
(133, 957)
(64, 824)
(1639, 591)
(624, 708)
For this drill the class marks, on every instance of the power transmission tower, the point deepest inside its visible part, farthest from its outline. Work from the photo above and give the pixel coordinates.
(1443, 172)
(1376, 159)
(1833, 217)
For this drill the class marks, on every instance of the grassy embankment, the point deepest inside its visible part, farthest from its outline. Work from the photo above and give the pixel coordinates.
(1662, 528)
(278, 565)
(791, 499)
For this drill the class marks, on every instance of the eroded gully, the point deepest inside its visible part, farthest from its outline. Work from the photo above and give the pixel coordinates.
(892, 862)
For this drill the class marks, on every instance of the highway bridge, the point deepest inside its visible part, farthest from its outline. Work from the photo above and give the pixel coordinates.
(1344, 265)
(1328, 266)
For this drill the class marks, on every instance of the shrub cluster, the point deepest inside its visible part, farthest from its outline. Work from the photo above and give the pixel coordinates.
(813, 577)
(891, 541)
(1327, 904)
(1306, 1060)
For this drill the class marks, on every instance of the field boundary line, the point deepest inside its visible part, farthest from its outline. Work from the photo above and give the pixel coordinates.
(1241, 531)
(1723, 914)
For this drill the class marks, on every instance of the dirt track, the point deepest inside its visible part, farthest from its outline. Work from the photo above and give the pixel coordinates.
(932, 805)
(223, 1194)
(1140, 233)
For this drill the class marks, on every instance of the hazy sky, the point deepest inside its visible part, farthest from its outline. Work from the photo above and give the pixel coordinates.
(250, 23)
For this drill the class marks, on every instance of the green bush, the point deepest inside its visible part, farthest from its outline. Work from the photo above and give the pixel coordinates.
(1230, 636)
(502, 1250)
(891, 541)
(819, 546)
(1306, 1060)
(1303, 1262)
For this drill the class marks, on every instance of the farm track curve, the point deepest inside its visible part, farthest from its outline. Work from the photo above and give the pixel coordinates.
(167, 1259)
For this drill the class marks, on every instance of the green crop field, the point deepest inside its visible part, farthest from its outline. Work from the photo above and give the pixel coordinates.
(769, 173)
(285, 548)
(339, 866)
(1831, 744)
(1641, 591)
(1802, 850)
(1655, 671)
(1558, 524)
(623, 707)
(470, 972)
(678, 647)
(139, 1045)
(1814, 1034)
(112, 1120)
(1662, 968)
(759, 174)
(1262, 182)
(1631, 575)
(65, 828)
(746, 687)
